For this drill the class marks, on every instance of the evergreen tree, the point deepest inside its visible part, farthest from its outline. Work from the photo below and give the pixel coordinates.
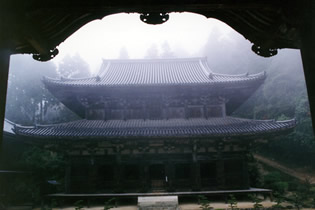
(27, 98)
(123, 53)
(73, 67)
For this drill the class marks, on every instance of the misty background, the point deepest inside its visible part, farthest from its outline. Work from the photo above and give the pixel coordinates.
(283, 95)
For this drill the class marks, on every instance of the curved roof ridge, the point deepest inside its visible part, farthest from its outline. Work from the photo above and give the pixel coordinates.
(287, 121)
(9, 121)
(48, 79)
(153, 59)
(241, 75)
(293, 120)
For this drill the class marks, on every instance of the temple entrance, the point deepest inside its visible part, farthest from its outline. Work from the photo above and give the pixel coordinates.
(157, 177)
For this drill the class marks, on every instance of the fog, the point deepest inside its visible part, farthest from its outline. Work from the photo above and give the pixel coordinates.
(283, 95)
(185, 34)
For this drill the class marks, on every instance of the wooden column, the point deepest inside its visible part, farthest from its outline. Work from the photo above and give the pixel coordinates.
(93, 181)
(118, 170)
(4, 71)
(169, 172)
(68, 178)
(146, 181)
(195, 169)
(308, 52)
(143, 177)
(220, 174)
(245, 177)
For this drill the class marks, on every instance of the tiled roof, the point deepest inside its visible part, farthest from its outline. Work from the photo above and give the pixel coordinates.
(8, 126)
(212, 127)
(156, 72)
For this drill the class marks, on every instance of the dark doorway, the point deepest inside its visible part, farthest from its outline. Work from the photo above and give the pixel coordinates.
(233, 173)
(208, 174)
(182, 171)
(157, 177)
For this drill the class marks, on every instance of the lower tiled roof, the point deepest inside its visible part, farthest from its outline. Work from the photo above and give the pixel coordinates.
(212, 127)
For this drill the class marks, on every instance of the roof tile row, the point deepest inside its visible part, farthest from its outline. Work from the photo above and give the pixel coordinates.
(155, 72)
(212, 127)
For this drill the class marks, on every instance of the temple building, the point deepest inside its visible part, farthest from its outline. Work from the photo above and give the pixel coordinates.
(153, 126)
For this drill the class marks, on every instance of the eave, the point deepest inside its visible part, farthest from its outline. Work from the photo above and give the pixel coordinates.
(38, 27)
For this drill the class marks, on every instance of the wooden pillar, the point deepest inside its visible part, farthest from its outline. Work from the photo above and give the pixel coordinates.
(220, 174)
(145, 109)
(245, 177)
(195, 169)
(93, 182)
(169, 172)
(308, 52)
(118, 170)
(68, 178)
(4, 71)
(146, 181)
(186, 109)
(143, 177)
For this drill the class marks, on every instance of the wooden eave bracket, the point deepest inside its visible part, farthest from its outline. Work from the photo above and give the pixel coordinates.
(32, 34)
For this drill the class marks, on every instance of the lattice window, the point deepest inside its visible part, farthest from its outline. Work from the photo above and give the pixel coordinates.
(214, 111)
(195, 112)
(95, 114)
(117, 114)
(176, 112)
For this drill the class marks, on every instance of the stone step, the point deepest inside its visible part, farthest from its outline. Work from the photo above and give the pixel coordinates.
(158, 203)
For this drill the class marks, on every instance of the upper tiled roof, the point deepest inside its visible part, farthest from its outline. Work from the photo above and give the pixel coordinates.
(212, 127)
(156, 72)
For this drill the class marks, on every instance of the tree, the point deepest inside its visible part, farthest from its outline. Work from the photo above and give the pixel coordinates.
(73, 67)
(167, 51)
(44, 166)
(28, 101)
(204, 203)
(123, 53)
(27, 98)
(152, 52)
(232, 202)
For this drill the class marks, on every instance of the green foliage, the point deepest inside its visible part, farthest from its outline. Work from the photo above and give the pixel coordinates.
(274, 181)
(78, 205)
(232, 202)
(44, 165)
(257, 201)
(204, 202)
(109, 204)
(255, 177)
(312, 202)
(279, 199)
(297, 200)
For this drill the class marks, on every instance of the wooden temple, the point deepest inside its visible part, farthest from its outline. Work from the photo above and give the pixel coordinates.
(153, 126)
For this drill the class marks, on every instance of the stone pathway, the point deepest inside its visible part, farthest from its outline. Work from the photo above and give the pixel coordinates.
(302, 176)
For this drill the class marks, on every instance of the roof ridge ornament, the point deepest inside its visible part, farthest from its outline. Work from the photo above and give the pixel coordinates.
(154, 17)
